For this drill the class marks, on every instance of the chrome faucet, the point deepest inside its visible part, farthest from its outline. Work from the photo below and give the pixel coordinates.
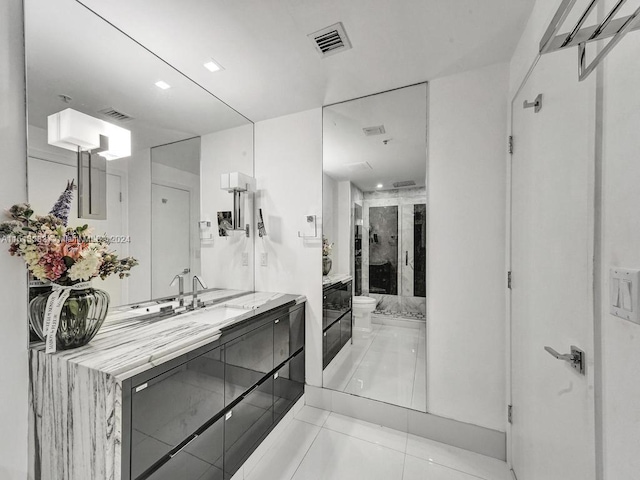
(180, 279)
(194, 293)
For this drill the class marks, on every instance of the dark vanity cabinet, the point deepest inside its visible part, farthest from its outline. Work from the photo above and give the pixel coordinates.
(337, 322)
(201, 415)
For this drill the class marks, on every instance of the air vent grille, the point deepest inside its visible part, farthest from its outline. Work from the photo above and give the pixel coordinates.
(115, 114)
(331, 40)
(358, 167)
(407, 183)
(371, 131)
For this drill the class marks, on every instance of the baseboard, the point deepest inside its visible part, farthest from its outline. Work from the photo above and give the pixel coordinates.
(471, 437)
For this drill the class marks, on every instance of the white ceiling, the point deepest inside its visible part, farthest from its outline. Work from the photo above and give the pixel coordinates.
(403, 113)
(71, 51)
(272, 68)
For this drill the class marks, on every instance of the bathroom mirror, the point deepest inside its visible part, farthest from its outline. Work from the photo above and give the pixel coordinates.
(374, 229)
(163, 198)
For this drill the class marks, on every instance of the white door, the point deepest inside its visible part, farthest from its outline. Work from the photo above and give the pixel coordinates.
(170, 239)
(552, 435)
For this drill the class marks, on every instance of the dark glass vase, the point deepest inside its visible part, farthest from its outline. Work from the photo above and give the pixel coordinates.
(80, 319)
(326, 265)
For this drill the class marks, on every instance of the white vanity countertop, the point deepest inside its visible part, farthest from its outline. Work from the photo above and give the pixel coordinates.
(334, 278)
(124, 348)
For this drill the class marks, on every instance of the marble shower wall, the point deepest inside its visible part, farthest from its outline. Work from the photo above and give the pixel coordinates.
(399, 248)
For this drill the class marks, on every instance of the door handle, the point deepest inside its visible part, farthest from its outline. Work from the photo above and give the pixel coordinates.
(406, 257)
(576, 358)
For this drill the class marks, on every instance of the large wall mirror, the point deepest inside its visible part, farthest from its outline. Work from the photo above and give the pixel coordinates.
(374, 229)
(162, 201)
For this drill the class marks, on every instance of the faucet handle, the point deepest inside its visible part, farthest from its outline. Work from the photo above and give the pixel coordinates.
(196, 278)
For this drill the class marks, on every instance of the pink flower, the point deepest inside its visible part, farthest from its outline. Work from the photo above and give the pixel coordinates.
(54, 266)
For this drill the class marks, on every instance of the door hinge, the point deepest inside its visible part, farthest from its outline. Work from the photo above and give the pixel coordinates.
(509, 280)
(510, 413)
(510, 145)
(120, 197)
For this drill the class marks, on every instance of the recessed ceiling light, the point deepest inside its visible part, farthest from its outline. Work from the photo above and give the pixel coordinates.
(379, 185)
(162, 85)
(213, 66)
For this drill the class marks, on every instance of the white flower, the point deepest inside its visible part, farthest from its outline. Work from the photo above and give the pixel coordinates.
(85, 268)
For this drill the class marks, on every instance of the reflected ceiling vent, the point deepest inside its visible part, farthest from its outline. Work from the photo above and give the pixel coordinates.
(358, 167)
(371, 131)
(407, 183)
(331, 40)
(115, 115)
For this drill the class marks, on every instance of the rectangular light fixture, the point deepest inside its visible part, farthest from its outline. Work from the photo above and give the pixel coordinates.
(213, 66)
(73, 130)
(162, 84)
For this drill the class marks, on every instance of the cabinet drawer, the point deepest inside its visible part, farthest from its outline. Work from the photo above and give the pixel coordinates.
(331, 342)
(288, 385)
(169, 408)
(288, 335)
(246, 424)
(345, 329)
(247, 359)
(201, 459)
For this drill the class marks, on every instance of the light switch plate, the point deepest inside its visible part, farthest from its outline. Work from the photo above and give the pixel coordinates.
(245, 259)
(624, 293)
(264, 259)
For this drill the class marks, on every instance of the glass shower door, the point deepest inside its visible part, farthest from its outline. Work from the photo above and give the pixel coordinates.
(397, 257)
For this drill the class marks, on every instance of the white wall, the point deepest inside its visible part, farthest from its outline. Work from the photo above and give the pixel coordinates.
(330, 212)
(620, 248)
(139, 196)
(13, 288)
(466, 260)
(344, 238)
(288, 163)
(224, 152)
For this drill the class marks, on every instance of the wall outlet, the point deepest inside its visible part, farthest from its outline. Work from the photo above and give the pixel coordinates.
(245, 259)
(264, 259)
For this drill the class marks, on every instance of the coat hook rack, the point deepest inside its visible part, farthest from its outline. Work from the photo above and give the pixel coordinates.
(536, 104)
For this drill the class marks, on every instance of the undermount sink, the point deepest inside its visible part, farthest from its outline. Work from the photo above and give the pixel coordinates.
(217, 315)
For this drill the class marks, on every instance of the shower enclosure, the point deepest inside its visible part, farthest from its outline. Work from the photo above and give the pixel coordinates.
(394, 251)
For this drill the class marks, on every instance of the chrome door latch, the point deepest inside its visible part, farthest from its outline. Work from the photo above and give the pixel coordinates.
(576, 358)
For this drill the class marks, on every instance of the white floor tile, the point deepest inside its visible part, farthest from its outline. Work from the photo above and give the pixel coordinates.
(283, 458)
(369, 432)
(334, 456)
(418, 469)
(312, 415)
(456, 458)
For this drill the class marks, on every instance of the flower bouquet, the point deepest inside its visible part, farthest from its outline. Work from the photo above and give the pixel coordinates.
(68, 258)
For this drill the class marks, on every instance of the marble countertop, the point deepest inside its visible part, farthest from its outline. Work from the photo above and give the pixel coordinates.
(334, 278)
(128, 345)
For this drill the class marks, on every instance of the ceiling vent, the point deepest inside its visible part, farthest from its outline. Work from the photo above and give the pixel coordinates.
(115, 115)
(331, 40)
(407, 183)
(371, 131)
(358, 167)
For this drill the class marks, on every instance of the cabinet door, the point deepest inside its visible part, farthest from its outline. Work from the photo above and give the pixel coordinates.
(169, 408)
(246, 425)
(247, 359)
(201, 459)
(288, 385)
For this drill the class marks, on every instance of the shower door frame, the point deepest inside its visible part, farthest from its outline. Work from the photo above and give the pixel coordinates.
(405, 198)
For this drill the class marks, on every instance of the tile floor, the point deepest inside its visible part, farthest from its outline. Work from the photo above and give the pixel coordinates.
(387, 364)
(319, 445)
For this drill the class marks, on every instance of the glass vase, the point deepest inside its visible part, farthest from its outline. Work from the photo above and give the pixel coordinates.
(326, 265)
(80, 319)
